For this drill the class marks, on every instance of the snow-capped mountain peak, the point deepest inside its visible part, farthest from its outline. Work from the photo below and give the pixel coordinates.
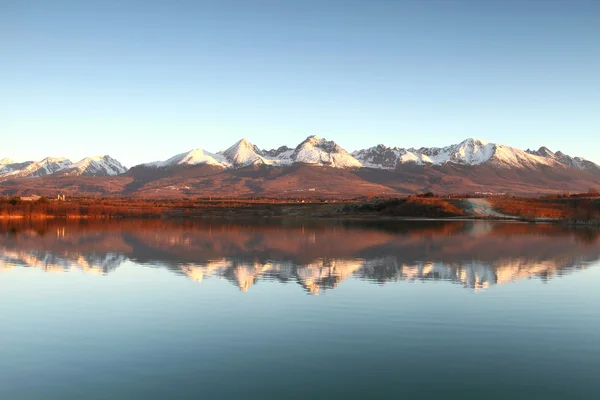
(380, 156)
(318, 151)
(243, 153)
(470, 152)
(566, 160)
(47, 166)
(192, 157)
(6, 161)
(279, 153)
(96, 166)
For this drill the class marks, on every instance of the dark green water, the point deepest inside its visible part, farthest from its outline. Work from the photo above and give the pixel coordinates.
(322, 310)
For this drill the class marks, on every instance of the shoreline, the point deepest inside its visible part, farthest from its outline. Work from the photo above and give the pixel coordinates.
(349, 217)
(414, 208)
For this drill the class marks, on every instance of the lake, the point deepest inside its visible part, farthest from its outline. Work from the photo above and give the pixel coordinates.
(159, 309)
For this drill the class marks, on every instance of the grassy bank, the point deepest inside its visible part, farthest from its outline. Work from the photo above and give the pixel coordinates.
(576, 210)
(567, 209)
(124, 208)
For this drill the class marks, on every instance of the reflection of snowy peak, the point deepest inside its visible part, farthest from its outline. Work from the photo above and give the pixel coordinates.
(321, 274)
(101, 263)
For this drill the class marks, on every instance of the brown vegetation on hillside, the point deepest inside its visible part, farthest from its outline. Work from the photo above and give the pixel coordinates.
(528, 208)
(571, 208)
(412, 206)
(306, 181)
(81, 208)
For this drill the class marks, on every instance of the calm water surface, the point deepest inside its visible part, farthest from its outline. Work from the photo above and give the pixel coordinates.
(291, 309)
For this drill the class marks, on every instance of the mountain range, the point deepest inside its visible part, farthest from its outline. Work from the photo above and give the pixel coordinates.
(89, 166)
(246, 170)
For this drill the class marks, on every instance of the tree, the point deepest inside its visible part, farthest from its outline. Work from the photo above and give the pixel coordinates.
(593, 191)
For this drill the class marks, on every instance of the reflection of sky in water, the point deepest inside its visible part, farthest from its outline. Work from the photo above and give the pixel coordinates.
(146, 328)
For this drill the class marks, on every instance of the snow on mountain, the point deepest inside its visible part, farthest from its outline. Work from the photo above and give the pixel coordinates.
(279, 152)
(505, 156)
(47, 166)
(244, 153)
(96, 166)
(380, 156)
(313, 151)
(317, 151)
(192, 157)
(8, 165)
(564, 159)
(468, 152)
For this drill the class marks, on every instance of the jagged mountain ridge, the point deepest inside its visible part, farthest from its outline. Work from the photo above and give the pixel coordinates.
(95, 166)
(8, 165)
(47, 166)
(560, 157)
(315, 151)
(316, 167)
(89, 166)
(192, 157)
(468, 152)
(312, 151)
(322, 152)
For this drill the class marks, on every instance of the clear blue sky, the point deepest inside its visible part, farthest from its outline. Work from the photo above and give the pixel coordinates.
(143, 80)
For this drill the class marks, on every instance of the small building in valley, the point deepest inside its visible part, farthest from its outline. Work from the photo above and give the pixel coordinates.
(33, 197)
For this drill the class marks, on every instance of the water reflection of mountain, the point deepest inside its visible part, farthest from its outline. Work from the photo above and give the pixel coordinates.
(316, 255)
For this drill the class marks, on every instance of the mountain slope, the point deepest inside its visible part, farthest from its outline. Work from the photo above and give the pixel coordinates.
(315, 168)
(566, 160)
(317, 151)
(469, 152)
(95, 166)
(314, 151)
(244, 153)
(46, 166)
(192, 157)
(7, 166)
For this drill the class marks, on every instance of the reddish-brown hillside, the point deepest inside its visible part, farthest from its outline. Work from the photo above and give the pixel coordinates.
(301, 180)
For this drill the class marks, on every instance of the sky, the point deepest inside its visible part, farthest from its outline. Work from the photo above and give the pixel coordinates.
(144, 80)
